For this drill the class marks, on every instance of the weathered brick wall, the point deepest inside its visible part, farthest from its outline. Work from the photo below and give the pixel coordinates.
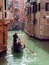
(3, 37)
(3, 30)
(42, 25)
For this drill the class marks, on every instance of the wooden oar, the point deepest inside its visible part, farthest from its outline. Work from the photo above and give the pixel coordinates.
(26, 46)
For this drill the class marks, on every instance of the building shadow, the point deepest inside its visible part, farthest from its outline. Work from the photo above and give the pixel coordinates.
(3, 60)
(43, 44)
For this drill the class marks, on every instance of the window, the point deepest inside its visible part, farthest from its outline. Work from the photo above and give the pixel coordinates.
(5, 4)
(5, 14)
(38, 6)
(0, 12)
(47, 7)
(28, 11)
(16, 4)
(5, 7)
(34, 7)
(4, 38)
(0, 9)
(28, 0)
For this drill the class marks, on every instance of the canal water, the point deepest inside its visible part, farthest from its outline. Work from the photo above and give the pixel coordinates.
(35, 53)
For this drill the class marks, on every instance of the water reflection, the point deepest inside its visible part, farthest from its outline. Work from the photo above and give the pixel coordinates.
(26, 57)
(43, 44)
(3, 59)
(17, 55)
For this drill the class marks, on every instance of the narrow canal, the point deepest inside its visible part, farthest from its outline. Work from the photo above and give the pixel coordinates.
(35, 53)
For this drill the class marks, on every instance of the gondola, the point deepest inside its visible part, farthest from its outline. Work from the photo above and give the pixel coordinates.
(17, 47)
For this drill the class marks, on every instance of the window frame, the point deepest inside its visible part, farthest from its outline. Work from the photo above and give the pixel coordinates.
(47, 6)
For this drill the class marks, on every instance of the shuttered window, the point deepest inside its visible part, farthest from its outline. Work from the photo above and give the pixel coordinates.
(47, 6)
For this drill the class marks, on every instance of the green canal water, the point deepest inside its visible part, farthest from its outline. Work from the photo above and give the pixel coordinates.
(35, 53)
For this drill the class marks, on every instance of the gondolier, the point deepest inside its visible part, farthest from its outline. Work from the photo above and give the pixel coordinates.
(15, 37)
(17, 44)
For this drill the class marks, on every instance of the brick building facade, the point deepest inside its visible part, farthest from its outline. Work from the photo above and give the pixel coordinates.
(3, 24)
(37, 18)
